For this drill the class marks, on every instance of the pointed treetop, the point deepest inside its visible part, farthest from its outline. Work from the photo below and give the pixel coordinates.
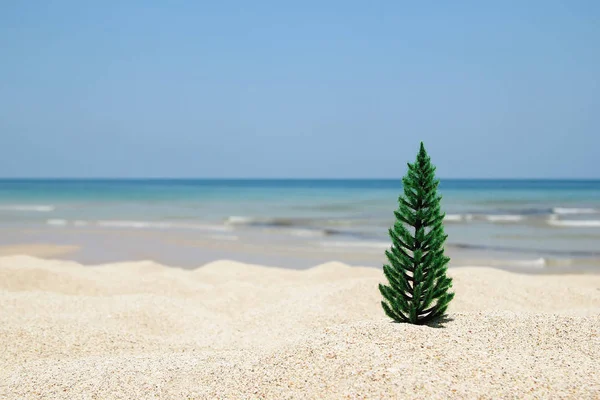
(422, 152)
(422, 158)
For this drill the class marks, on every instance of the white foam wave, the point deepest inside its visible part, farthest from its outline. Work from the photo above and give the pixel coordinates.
(137, 225)
(307, 232)
(574, 210)
(28, 207)
(266, 222)
(454, 218)
(202, 227)
(538, 262)
(531, 263)
(160, 225)
(375, 245)
(237, 220)
(133, 224)
(504, 218)
(57, 222)
(593, 223)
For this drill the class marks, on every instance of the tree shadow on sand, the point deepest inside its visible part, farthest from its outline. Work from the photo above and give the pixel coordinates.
(439, 322)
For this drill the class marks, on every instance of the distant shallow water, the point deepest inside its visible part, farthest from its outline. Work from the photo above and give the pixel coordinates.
(548, 225)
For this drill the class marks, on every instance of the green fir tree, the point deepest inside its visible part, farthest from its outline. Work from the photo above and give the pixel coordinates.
(416, 272)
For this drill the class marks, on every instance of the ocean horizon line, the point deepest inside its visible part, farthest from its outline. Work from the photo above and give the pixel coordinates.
(331, 179)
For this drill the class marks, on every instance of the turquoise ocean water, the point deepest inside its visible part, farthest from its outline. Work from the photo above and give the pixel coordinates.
(549, 225)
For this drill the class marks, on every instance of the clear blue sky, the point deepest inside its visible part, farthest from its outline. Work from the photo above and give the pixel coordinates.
(311, 89)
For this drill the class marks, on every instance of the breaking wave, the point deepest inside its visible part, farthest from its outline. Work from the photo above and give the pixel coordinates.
(573, 211)
(454, 218)
(514, 249)
(549, 263)
(57, 222)
(589, 223)
(363, 244)
(533, 263)
(305, 227)
(268, 222)
(558, 216)
(27, 208)
(504, 218)
(137, 225)
(493, 218)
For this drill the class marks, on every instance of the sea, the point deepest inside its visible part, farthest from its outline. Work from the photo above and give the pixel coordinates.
(545, 226)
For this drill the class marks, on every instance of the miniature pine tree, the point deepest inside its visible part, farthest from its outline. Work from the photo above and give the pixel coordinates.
(418, 285)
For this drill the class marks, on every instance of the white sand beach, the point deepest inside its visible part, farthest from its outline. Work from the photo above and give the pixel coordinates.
(139, 330)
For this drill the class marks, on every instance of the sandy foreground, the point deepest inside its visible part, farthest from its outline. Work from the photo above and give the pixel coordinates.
(140, 330)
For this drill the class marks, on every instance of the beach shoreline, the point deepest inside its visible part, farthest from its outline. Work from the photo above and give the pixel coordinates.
(534, 226)
(229, 330)
(188, 251)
